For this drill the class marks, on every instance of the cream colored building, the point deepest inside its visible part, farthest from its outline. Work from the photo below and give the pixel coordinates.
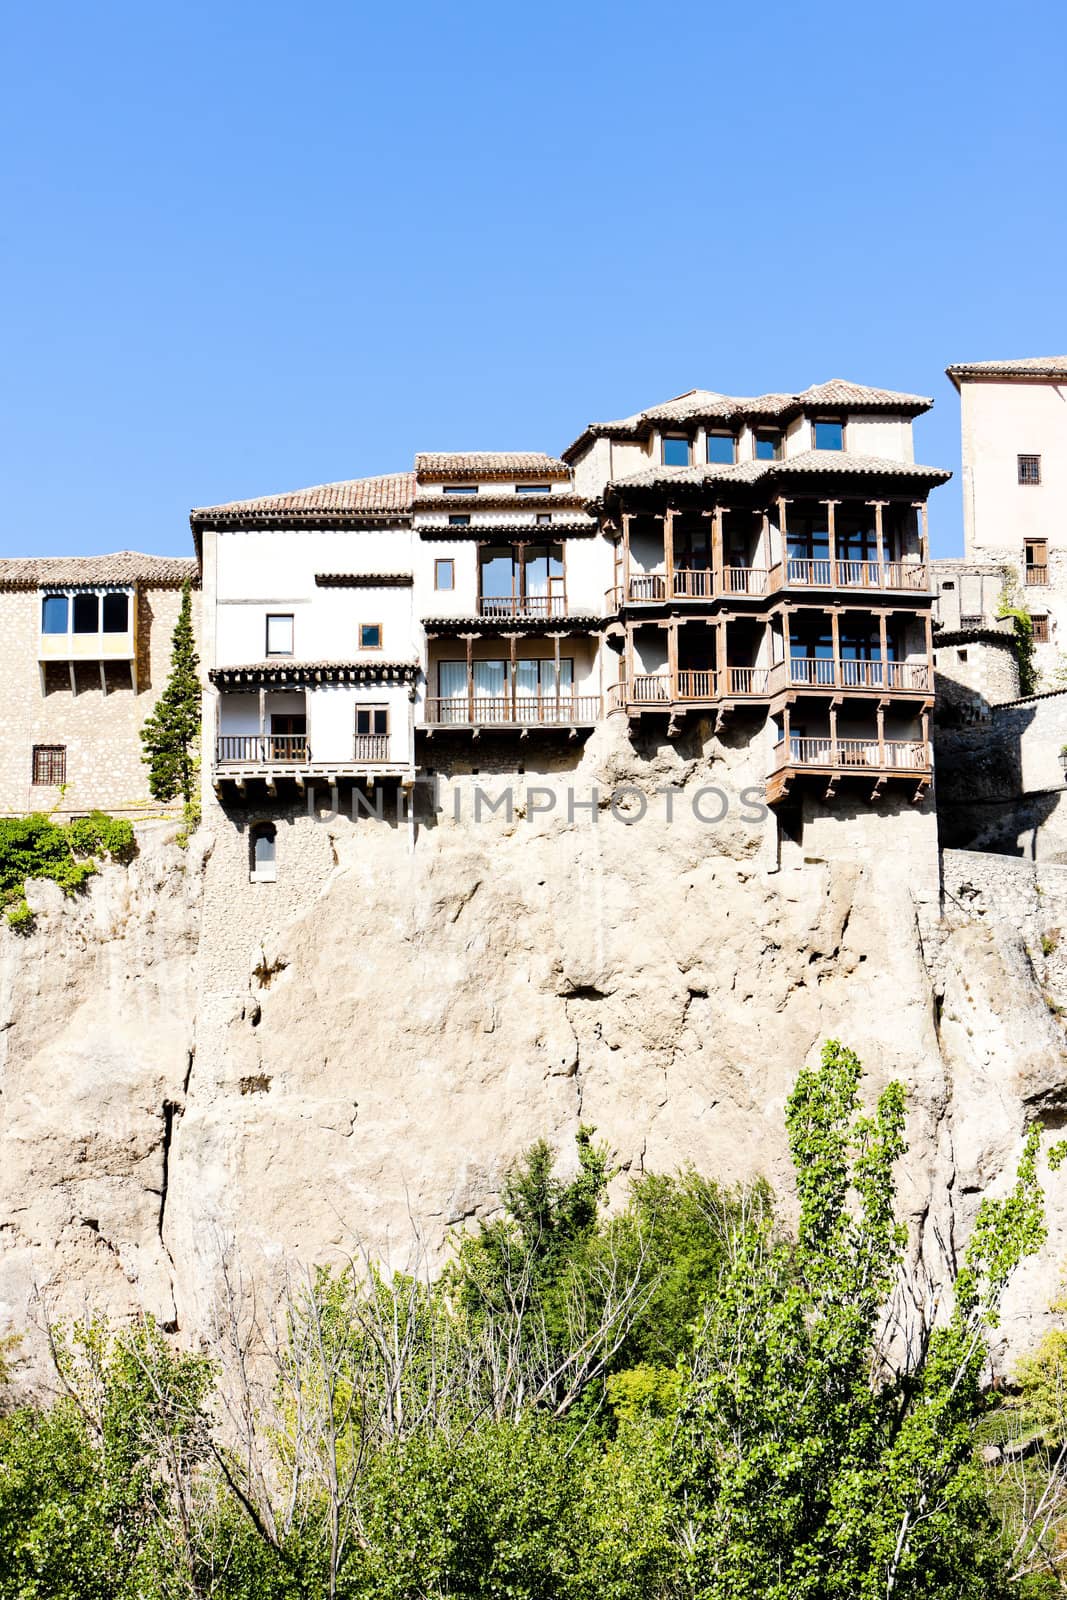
(1014, 439)
(88, 652)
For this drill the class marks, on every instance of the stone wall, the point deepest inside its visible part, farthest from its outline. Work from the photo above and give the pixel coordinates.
(98, 726)
(1000, 779)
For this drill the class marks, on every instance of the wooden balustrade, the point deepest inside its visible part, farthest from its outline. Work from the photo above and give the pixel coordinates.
(748, 680)
(372, 747)
(821, 573)
(745, 580)
(824, 672)
(262, 749)
(520, 710)
(695, 685)
(1036, 576)
(531, 605)
(897, 755)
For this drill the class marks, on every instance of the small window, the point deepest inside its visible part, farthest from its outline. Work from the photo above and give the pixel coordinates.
(116, 613)
(1029, 469)
(372, 719)
(444, 573)
(1041, 633)
(543, 517)
(263, 853)
(961, 655)
(461, 488)
(50, 764)
(829, 434)
(459, 519)
(533, 488)
(947, 583)
(370, 636)
(280, 635)
(722, 449)
(1035, 553)
(55, 610)
(675, 450)
(768, 444)
(86, 613)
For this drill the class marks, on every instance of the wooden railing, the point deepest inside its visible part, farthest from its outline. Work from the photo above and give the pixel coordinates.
(262, 749)
(821, 573)
(897, 755)
(372, 747)
(1036, 576)
(823, 672)
(650, 688)
(748, 680)
(517, 710)
(744, 580)
(695, 685)
(692, 584)
(531, 605)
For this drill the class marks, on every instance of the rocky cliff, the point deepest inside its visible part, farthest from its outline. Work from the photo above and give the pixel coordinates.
(192, 1064)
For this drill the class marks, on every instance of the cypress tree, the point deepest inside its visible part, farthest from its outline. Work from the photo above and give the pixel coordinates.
(171, 734)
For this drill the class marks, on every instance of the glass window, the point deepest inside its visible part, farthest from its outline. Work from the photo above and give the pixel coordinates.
(543, 517)
(768, 445)
(54, 611)
(498, 574)
(264, 866)
(50, 764)
(372, 719)
(461, 488)
(86, 613)
(116, 613)
(533, 488)
(370, 636)
(721, 448)
(444, 573)
(459, 519)
(829, 435)
(280, 635)
(675, 451)
(1029, 469)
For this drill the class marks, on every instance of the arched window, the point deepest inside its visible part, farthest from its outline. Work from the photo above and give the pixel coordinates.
(263, 853)
(54, 614)
(86, 613)
(116, 613)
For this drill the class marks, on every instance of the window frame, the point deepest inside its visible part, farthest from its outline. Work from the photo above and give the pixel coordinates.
(49, 758)
(776, 438)
(56, 633)
(721, 433)
(83, 596)
(837, 422)
(533, 488)
(543, 519)
(279, 616)
(363, 645)
(377, 707)
(459, 519)
(459, 488)
(1042, 633)
(1027, 482)
(675, 438)
(266, 830)
(113, 595)
(439, 563)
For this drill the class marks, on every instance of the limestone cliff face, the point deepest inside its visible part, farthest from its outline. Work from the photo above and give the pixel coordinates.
(379, 1033)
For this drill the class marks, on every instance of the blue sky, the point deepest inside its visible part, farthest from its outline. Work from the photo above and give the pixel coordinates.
(248, 247)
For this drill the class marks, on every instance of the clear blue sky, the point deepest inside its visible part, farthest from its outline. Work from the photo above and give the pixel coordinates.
(249, 247)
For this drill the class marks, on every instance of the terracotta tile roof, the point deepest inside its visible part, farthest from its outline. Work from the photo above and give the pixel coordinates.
(123, 567)
(571, 529)
(809, 463)
(498, 502)
(707, 405)
(364, 580)
(1026, 367)
(574, 622)
(391, 493)
(441, 466)
(248, 674)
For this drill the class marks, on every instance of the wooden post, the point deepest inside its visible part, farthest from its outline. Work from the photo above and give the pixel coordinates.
(518, 601)
(833, 735)
(835, 635)
(928, 621)
(672, 656)
(262, 724)
(880, 715)
(555, 644)
(764, 552)
(785, 736)
(668, 549)
(883, 646)
(831, 540)
(625, 558)
(469, 637)
(924, 537)
(783, 534)
(787, 648)
(926, 737)
(721, 663)
(879, 543)
(716, 550)
(513, 643)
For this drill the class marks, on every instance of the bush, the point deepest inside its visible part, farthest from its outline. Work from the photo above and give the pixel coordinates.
(64, 853)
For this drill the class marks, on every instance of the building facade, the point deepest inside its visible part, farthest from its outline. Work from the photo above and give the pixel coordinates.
(1014, 442)
(89, 643)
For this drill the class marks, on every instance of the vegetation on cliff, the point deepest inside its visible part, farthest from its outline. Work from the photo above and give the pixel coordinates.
(63, 852)
(684, 1399)
(171, 734)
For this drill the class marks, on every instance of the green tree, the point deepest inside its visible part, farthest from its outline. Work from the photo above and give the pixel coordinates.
(817, 1458)
(171, 733)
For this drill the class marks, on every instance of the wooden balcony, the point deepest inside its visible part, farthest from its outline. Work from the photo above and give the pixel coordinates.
(1036, 577)
(836, 760)
(804, 573)
(513, 711)
(701, 686)
(530, 605)
(242, 757)
(867, 677)
(656, 588)
(263, 749)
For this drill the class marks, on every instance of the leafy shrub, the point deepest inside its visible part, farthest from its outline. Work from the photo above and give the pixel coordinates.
(64, 853)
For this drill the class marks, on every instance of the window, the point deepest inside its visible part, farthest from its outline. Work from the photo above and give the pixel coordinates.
(828, 433)
(461, 488)
(86, 613)
(1029, 469)
(116, 613)
(263, 861)
(543, 517)
(1041, 633)
(961, 655)
(459, 519)
(444, 573)
(675, 450)
(948, 584)
(1035, 555)
(55, 608)
(533, 488)
(768, 444)
(371, 720)
(370, 636)
(50, 764)
(280, 635)
(722, 448)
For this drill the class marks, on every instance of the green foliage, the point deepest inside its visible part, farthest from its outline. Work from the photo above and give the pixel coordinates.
(1011, 604)
(808, 1463)
(171, 734)
(65, 853)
